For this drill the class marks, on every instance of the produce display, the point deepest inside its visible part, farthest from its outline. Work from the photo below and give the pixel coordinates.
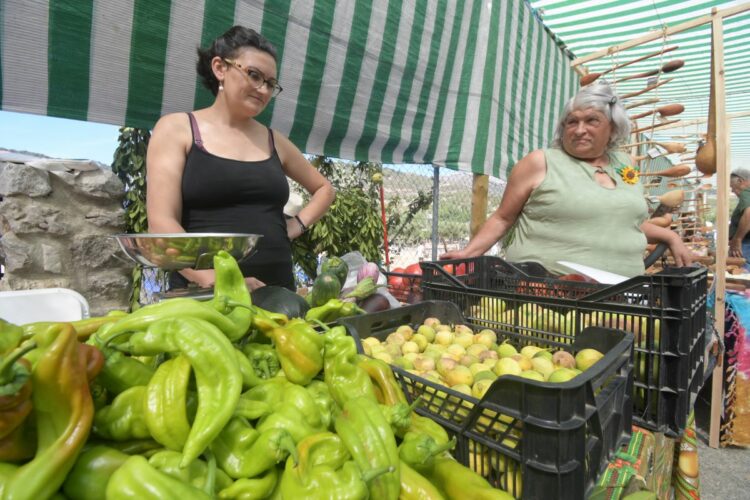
(468, 362)
(217, 399)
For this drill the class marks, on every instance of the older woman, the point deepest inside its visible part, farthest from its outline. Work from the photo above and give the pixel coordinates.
(575, 201)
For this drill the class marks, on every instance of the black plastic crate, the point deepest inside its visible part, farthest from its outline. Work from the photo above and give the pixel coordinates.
(557, 437)
(405, 287)
(665, 311)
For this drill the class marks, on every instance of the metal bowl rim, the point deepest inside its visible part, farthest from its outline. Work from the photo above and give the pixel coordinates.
(186, 235)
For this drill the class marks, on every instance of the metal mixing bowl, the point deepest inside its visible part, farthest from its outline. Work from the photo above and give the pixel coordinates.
(172, 252)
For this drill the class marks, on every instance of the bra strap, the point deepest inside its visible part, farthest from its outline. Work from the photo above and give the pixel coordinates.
(271, 143)
(196, 132)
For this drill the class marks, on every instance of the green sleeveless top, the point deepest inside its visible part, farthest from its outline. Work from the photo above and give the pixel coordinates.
(572, 217)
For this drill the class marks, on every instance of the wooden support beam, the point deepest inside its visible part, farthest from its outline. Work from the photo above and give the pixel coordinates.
(655, 35)
(479, 189)
(722, 217)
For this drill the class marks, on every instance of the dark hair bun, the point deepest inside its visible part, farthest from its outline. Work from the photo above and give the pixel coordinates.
(226, 46)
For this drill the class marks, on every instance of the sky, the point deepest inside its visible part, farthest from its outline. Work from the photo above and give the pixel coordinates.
(58, 137)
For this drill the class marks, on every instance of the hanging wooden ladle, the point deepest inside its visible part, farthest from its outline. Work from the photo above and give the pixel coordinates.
(669, 147)
(653, 100)
(592, 77)
(672, 199)
(705, 156)
(667, 67)
(675, 171)
(664, 111)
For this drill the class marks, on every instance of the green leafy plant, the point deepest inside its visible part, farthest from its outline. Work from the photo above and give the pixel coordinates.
(353, 221)
(129, 165)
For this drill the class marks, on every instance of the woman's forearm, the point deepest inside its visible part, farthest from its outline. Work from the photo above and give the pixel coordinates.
(319, 203)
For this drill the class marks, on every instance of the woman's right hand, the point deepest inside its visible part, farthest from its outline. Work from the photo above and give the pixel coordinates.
(455, 254)
(204, 279)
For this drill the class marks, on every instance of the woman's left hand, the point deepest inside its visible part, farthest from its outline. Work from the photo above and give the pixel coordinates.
(683, 256)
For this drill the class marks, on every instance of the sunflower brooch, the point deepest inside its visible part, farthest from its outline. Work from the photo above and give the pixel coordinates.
(629, 174)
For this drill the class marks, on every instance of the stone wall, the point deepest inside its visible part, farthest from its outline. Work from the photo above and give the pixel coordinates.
(54, 225)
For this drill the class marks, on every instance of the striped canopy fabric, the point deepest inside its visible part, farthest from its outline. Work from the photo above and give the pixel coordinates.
(467, 84)
(586, 26)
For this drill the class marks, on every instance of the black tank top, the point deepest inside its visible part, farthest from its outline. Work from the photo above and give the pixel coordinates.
(230, 196)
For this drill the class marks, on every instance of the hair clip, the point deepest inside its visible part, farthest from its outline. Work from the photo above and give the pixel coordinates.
(613, 100)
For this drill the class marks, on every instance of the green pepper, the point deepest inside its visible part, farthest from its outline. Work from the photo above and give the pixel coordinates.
(242, 451)
(230, 287)
(255, 488)
(141, 319)
(333, 310)
(250, 377)
(165, 410)
(10, 336)
(214, 363)
(399, 416)
(288, 418)
(84, 328)
(198, 473)
(459, 481)
(324, 401)
(414, 486)
(264, 359)
(89, 477)
(15, 390)
(419, 450)
(345, 379)
(425, 425)
(136, 479)
(145, 447)
(20, 444)
(299, 348)
(369, 439)
(382, 377)
(63, 411)
(324, 471)
(120, 372)
(124, 419)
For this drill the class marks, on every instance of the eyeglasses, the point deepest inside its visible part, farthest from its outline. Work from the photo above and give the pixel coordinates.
(257, 79)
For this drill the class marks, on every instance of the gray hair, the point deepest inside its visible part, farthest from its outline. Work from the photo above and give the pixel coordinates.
(598, 96)
(741, 173)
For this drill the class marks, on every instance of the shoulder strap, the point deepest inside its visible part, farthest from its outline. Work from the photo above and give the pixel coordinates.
(196, 132)
(271, 143)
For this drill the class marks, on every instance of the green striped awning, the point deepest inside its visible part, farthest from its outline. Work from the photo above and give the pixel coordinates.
(468, 84)
(586, 26)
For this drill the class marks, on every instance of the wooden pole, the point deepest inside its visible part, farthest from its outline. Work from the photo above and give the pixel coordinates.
(655, 35)
(722, 218)
(479, 188)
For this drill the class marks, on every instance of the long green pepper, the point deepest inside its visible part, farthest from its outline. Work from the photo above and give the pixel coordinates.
(369, 439)
(214, 363)
(165, 408)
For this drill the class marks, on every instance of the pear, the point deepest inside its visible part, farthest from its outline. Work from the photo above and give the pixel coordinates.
(564, 359)
(544, 353)
(476, 349)
(424, 364)
(383, 356)
(479, 367)
(427, 332)
(506, 350)
(486, 337)
(561, 375)
(406, 331)
(409, 346)
(459, 329)
(456, 351)
(530, 350)
(524, 363)
(404, 363)
(459, 375)
(420, 340)
(468, 360)
(445, 364)
(462, 388)
(480, 387)
(433, 322)
(586, 358)
(484, 375)
(444, 337)
(395, 338)
(490, 362)
(464, 339)
(507, 366)
(532, 375)
(488, 354)
(543, 366)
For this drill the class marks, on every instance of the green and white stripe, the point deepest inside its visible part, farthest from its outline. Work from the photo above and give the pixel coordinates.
(467, 84)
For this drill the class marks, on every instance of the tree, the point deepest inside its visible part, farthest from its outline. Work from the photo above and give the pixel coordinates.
(129, 165)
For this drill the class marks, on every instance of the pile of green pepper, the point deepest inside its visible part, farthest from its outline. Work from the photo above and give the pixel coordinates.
(218, 399)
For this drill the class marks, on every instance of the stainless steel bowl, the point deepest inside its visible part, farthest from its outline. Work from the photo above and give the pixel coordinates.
(172, 252)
